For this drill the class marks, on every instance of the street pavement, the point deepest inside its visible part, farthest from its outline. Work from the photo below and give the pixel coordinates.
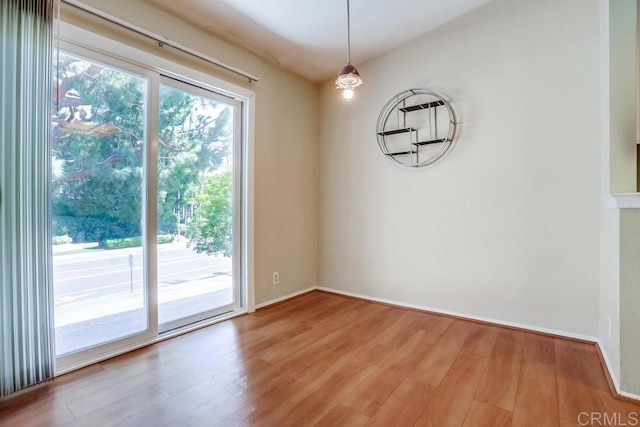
(96, 274)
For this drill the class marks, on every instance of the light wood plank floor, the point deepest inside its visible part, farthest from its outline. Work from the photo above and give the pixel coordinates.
(328, 360)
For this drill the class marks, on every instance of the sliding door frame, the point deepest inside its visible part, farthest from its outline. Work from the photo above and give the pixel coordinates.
(113, 53)
(149, 223)
(236, 275)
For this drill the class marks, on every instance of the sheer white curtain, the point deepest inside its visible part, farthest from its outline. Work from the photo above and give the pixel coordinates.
(27, 354)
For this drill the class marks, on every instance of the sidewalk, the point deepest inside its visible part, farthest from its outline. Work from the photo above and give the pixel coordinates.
(83, 322)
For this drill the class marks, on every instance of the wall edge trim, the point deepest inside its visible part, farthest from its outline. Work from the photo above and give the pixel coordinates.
(512, 325)
(285, 297)
(612, 381)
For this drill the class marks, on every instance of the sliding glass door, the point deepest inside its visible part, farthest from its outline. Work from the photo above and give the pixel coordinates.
(146, 229)
(98, 149)
(197, 141)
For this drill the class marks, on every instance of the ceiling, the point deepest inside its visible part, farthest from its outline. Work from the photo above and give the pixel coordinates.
(309, 37)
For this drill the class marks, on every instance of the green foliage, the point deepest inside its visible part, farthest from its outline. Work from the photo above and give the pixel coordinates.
(211, 229)
(125, 242)
(61, 240)
(92, 229)
(194, 139)
(165, 238)
(97, 146)
(132, 242)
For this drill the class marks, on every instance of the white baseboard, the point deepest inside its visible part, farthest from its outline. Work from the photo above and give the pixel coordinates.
(629, 395)
(286, 297)
(559, 333)
(608, 367)
(614, 379)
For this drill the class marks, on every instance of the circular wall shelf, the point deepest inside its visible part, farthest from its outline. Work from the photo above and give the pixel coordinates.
(416, 128)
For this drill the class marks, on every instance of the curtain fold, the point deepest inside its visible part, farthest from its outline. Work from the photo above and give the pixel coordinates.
(27, 352)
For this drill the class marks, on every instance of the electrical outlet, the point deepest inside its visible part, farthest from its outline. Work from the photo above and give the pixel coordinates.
(276, 277)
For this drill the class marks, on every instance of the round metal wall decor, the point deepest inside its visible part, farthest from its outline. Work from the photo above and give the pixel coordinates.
(416, 128)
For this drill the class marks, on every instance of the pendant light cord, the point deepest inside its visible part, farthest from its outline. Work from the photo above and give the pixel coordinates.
(348, 34)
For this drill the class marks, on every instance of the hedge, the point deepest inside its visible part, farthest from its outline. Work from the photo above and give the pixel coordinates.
(90, 229)
(131, 242)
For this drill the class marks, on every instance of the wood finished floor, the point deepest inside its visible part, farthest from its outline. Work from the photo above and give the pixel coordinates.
(328, 360)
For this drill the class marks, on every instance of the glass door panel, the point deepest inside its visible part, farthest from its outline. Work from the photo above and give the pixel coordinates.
(98, 149)
(196, 139)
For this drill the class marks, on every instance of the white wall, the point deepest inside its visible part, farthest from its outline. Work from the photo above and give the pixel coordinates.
(609, 330)
(508, 225)
(285, 173)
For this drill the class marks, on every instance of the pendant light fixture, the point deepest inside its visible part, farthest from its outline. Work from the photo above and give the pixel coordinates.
(349, 78)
